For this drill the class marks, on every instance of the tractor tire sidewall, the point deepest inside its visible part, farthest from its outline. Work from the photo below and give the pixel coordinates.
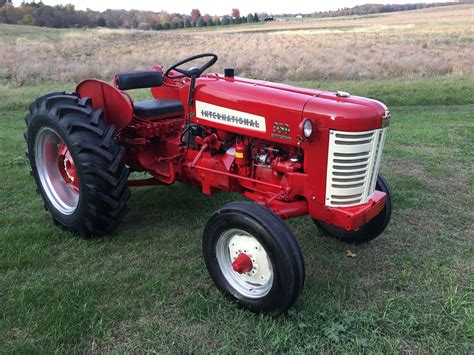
(371, 229)
(42, 121)
(281, 248)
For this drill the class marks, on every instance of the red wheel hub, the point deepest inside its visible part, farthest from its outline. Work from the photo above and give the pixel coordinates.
(67, 168)
(242, 264)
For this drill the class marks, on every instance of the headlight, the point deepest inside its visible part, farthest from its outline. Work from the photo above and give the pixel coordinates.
(386, 119)
(307, 128)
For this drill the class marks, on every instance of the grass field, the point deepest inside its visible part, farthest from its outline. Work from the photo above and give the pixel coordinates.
(425, 43)
(145, 288)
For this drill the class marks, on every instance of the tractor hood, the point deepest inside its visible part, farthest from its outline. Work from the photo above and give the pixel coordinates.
(274, 112)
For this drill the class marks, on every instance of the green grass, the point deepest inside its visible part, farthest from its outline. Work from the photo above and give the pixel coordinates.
(146, 288)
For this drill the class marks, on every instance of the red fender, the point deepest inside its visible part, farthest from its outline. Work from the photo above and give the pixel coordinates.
(117, 106)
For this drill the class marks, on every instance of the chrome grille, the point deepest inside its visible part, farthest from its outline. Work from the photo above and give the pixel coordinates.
(353, 165)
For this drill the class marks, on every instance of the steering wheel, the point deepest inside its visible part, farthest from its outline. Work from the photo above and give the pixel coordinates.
(196, 72)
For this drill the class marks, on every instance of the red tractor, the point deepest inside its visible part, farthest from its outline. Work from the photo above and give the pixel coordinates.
(291, 151)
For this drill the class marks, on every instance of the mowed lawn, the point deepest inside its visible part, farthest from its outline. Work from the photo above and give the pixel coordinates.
(145, 288)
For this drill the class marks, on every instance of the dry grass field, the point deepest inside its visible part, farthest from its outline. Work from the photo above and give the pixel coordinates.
(428, 42)
(145, 289)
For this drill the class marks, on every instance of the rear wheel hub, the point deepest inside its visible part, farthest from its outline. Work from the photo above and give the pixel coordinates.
(56, 171)
(67, 168)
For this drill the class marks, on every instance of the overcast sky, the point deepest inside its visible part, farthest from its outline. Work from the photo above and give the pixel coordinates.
(220, 7)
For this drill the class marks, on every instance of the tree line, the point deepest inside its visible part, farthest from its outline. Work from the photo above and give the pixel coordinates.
(66, 16)
(369, 9)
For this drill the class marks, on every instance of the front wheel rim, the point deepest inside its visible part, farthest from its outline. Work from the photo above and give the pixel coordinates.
(255, 282)
(56, 171)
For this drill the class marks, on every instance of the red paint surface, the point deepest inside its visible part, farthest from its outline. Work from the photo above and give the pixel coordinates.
(287, 187)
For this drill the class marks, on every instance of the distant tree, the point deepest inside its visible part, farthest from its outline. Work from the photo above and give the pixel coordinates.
(195, 15)
(226, 20)
(235, 13)
(210, 22)
(243, 19)
(110, 23)
(164, 17)
(158, 27)
(250, 18)
(200, 22)
(174, 25)
(4, 2)
(27, 20)
(166, 26)
(101, 22)
(237, 20)
(143, 26)
(187, 22)
(8, 14)
(255, 17)
(180, 24)
(216, 20)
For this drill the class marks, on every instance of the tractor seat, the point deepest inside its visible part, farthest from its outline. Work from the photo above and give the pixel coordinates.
(150, 108)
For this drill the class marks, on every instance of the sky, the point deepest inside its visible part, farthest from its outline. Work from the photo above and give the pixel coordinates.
(220, 7)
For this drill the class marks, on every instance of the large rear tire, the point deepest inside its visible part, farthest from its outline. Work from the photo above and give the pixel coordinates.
(368, 231)
(253, 258)
(77, 164)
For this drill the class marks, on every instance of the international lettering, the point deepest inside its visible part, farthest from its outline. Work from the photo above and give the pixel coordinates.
(245, 122)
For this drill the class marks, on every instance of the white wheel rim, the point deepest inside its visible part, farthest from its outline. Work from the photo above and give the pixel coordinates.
(57, 190)
(255, 283)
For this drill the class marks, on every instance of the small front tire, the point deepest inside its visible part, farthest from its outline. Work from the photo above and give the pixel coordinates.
(253, 258)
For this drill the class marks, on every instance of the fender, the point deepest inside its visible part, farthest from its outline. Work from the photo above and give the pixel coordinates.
(117, 106)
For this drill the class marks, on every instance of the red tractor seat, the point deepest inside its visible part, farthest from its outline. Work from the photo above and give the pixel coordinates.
(150, 108)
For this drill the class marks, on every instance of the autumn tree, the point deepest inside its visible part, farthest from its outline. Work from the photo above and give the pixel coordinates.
(235, 13)
(195, 15)
(216, 20)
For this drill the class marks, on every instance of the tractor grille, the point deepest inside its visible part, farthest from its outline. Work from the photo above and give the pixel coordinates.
(353, 166)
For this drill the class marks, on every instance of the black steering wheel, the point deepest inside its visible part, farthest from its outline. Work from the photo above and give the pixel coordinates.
(193, 72)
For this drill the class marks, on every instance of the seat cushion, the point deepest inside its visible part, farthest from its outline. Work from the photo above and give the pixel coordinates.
(150, 108)
(138, 80)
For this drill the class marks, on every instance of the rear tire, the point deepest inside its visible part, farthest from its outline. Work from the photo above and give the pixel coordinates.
(368, 231)
(77, 164)
(276, 277)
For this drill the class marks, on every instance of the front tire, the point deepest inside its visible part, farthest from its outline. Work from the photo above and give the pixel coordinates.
(253, 258)
(368, 231)
(77, 164)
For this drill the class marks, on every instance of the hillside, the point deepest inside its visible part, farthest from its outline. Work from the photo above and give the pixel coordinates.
(429, 42)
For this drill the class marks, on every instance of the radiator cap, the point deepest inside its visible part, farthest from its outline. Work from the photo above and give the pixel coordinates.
(229, 72)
